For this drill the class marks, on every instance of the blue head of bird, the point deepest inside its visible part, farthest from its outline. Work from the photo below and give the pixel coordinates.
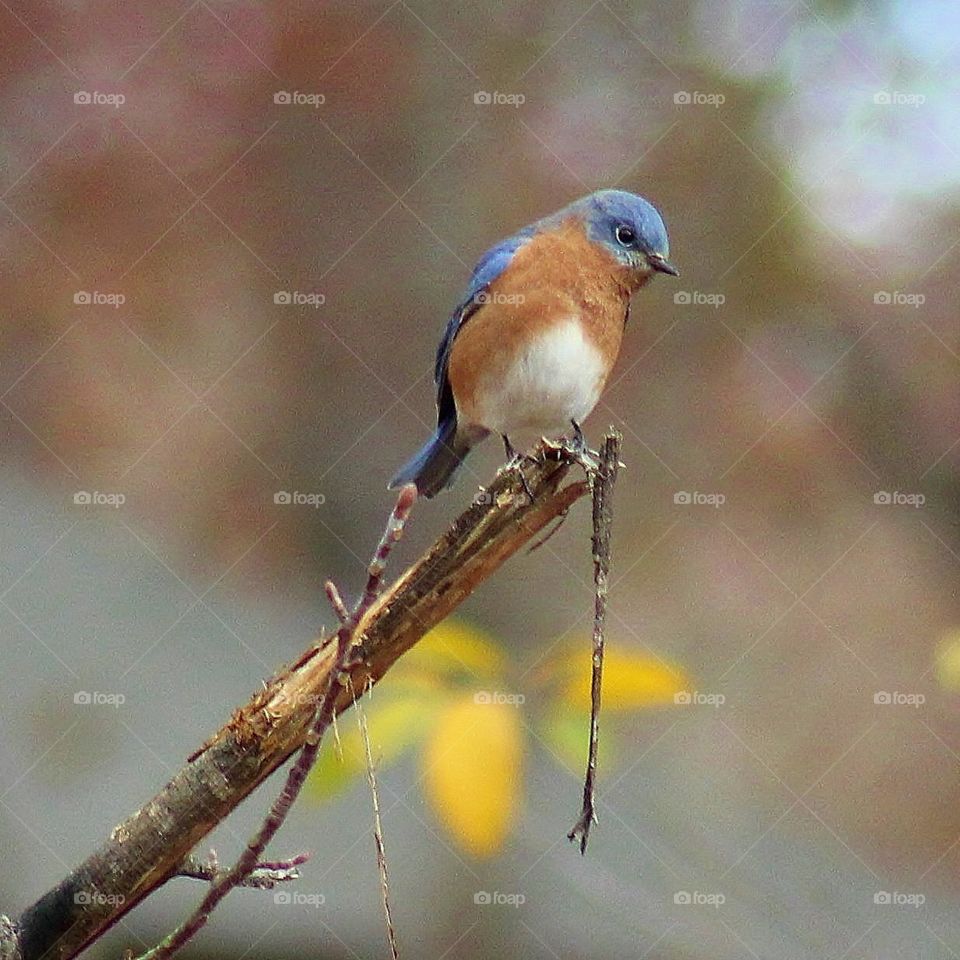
(631, 229)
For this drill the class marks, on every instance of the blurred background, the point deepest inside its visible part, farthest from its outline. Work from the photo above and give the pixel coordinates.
(231, 236)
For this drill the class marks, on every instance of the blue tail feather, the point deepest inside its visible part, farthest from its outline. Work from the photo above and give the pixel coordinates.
(434, 466)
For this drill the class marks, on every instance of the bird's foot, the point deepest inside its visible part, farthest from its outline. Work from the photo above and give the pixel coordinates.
(575, 449)
(515, 462)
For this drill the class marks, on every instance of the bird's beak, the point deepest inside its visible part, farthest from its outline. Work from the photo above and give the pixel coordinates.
(662, 264)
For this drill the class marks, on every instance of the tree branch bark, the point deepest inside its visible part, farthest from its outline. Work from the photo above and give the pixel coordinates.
(149, 847)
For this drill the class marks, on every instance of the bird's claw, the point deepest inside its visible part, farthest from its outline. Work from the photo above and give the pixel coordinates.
(517, 464)
(575, 450)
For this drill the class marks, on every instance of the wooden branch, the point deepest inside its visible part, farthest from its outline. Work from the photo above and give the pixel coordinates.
(150, 846)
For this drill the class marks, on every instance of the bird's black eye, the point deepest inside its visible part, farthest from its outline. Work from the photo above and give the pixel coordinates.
(625, 235)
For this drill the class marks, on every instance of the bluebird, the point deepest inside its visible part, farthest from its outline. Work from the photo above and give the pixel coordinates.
(532, 343)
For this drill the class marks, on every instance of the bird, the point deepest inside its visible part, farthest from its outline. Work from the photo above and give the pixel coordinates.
(532, 342)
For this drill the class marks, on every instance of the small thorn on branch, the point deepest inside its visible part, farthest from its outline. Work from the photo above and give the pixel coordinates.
(336, 601)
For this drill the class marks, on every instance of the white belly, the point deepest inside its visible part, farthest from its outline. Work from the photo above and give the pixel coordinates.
(557, 379)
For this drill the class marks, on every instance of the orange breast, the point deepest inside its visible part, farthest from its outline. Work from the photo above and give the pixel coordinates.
(553, 278)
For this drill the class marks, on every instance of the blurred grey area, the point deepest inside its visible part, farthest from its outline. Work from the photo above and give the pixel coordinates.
(231, 237)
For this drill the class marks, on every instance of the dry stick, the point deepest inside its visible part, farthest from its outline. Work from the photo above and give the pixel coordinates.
(344, 616)
(603, 480)
(378, 564)
(300, 770)
(265, 876)
(374, 583)
(336, 601)
(377, 831)
(147, 848)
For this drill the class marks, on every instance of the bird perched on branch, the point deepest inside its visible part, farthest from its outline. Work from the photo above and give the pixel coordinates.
(531, 344)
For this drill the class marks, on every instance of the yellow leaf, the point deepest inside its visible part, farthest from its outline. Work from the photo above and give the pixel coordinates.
(393, 726)
(416, 684)
(630, 681)
(454, 649)
(472, 772)
(948, 661)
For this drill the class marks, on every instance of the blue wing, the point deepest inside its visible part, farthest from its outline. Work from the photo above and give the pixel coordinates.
(489, 267)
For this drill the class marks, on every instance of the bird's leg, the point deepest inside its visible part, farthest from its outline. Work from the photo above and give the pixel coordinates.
(579, 442)
(577, 450)
(515, 462)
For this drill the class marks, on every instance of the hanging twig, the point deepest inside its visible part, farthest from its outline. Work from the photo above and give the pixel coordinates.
(377, 831)
(603, 479)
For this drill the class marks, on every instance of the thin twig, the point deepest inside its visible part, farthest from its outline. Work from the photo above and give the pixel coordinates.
(301, 768)
(378, 832)
(284, 865)
(336, 601)
(602, 479)
(264, 876)
(392, 533)
(548, 535)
